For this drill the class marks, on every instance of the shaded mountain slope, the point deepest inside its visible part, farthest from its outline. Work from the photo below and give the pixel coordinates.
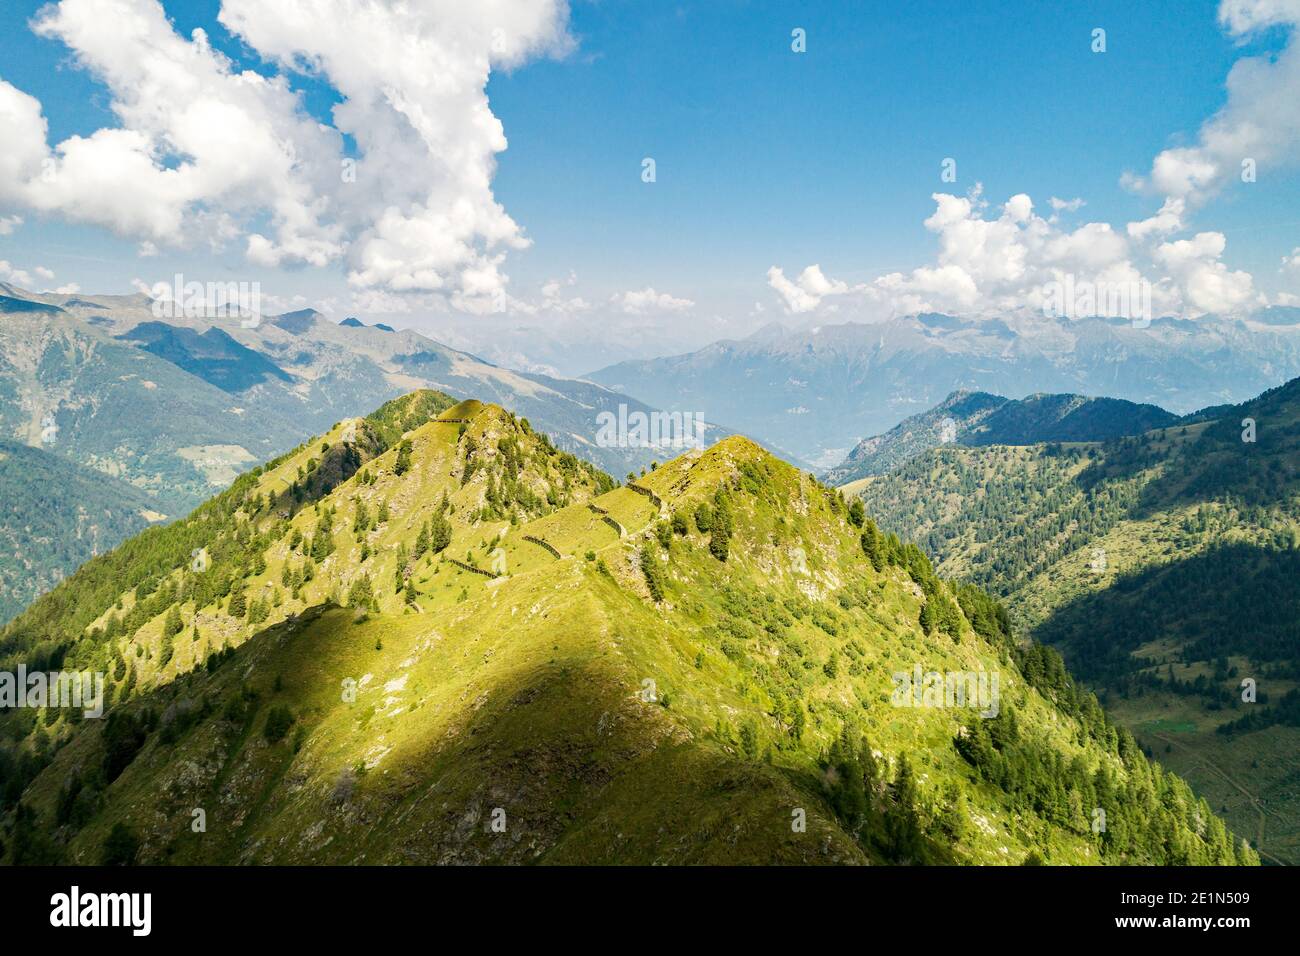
(212, 355)
(41, 537)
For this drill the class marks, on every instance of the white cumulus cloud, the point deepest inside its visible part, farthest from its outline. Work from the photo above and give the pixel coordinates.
(555, 299)
(807, 291)
(398, 188)
(648, 300)
(1168, 219)
(1010, 259)
(1065, 205)
(24, 278)
(1208, 284)
(1259, 123)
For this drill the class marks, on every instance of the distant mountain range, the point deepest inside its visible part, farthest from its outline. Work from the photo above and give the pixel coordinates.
(567, 345)
(177, 407)
(978, 418)
(120, 389)
(818, 392)
(71, 385)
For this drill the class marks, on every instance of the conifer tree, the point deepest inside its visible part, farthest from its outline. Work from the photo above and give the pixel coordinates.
(871, 545)
(857, 513)
(902, 823)
(173, 624)
(403, 463)
(439, 534)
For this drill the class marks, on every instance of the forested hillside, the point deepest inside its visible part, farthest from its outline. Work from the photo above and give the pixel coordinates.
(1163, 565)
(55, 515)
(977, 418)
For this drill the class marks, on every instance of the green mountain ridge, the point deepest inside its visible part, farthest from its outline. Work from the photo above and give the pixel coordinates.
(1162, 565)
(979, 418)
(429, 636)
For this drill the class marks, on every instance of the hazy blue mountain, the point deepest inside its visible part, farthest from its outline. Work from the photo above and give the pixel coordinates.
(819, 391)
(295, 323)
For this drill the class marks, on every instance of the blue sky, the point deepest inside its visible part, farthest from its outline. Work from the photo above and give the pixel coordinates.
(764, 157)
(832, 155)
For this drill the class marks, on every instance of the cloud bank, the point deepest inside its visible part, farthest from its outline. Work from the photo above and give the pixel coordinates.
(1008, 259)
(1259, 125)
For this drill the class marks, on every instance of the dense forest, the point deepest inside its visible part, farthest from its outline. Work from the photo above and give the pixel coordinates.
(1196, 529)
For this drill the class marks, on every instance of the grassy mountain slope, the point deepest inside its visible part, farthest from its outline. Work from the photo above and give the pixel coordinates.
(467, 646)
(978, 418)
(136, 581)
(1163, 566)
(41, 537)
